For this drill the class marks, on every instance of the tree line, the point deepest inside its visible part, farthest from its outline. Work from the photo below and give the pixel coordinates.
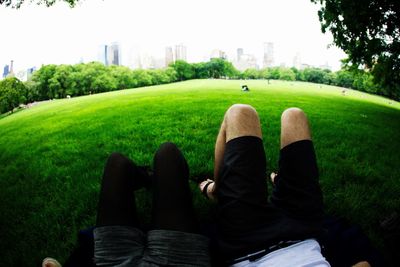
(60, 81)
(369, 33)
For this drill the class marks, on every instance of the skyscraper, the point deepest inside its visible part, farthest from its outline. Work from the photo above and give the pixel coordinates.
(6, 71)
(11, 68)
(30, 71)
(110, 54)
(297, 61)
(268, 55)
(216, 53)
(102, 54)
(245, 61)
(180, 52)
(239, 53)
(114, 54)
(169, 55)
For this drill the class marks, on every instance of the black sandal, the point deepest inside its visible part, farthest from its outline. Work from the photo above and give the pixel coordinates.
(204, 191)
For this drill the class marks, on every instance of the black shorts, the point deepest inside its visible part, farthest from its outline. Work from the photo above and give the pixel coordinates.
(247, 220)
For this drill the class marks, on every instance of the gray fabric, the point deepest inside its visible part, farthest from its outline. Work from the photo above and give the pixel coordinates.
(127, 246)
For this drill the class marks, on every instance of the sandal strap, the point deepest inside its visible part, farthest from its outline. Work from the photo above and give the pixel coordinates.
(205, 189)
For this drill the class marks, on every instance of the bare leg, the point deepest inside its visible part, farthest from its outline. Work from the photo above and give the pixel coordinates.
(240, 120)
(297, 187)
(294, 127)
(50, 262)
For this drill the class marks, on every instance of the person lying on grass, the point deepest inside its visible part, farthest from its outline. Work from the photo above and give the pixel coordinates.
(174, 239)
(252, 231)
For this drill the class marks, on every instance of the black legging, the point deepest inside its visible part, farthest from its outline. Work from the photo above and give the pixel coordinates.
(172, 200)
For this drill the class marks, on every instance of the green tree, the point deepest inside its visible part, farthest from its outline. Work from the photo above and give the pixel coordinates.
(330, 77)
(344, 78)
(123, 76)
(287, 74)
(274, 73)
(201, 70)
(142, 78)
(184, 70)
(369, 32)
(159, 76)
(31, 92)
(61, 81)
(265, 74)
(42, 78)
(90, 73)
(251, 74)
(171, 74)
(229, 70)
(313, 75)
(19, 3)
(12, 93)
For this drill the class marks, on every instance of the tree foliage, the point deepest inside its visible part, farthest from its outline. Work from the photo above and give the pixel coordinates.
(19, 3)
(184, 70)
(369, 32)
(12, 93)
(60, 81)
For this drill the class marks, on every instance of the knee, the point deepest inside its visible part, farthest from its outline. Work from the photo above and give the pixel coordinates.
(293, 114)
(117, 159)
(238, 110)
(167, 148)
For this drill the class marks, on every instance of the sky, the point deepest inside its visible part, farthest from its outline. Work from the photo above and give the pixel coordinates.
(36, 35)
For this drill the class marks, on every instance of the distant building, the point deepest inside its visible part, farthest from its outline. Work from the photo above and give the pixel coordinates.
(29, 72)
(11, 71)
(239, 53)
(297, 61)
(246, 61)
(180, 52)
(216, 53)
(159, 63)
(6, 71)
(147, 61)
(325, 66)
(137, 63)
(114, 54)
(22, 75)
(103, 54)
(268, 60)
(25, 75)
(110, 54)
(169, 55)
(305, 66)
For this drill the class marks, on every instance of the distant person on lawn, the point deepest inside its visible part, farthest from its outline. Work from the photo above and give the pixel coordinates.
(252, 231)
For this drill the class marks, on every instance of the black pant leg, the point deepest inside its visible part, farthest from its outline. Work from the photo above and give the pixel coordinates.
(172, 198)
(117, 200)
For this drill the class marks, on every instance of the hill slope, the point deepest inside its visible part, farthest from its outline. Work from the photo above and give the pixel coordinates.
(52, 155)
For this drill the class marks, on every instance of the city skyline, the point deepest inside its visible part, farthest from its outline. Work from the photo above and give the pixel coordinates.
(111, 54)
(60, 35)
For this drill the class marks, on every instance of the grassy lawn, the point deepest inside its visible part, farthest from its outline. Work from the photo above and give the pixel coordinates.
(52, 155)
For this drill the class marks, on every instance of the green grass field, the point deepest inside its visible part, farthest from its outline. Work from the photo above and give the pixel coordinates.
(52, 155)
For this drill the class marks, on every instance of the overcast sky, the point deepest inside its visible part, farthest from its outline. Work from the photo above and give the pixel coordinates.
(35, 35)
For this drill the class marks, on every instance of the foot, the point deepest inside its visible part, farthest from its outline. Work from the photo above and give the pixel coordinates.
(144, 178)
(207, 188)
(50, 262)
(273, 176)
